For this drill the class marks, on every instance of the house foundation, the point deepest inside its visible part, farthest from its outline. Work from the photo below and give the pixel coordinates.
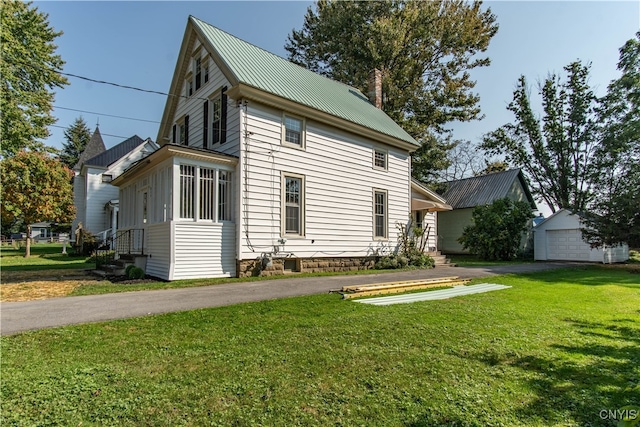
(278, 266)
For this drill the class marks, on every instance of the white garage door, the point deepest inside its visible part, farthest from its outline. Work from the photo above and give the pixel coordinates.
(567, 245)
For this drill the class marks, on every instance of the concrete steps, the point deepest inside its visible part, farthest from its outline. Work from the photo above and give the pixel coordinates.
(440, 260)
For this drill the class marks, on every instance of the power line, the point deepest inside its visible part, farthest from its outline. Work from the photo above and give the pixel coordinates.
(103, 134)
(106, 115)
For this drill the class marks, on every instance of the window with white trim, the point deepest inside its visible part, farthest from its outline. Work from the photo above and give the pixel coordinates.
(197, 71)
(219, 117)
(189, 87)
(224, 196)
(293, 131)
(187, 191)
(380, 222)
(207, 193)
(293, 205)
(380, 159)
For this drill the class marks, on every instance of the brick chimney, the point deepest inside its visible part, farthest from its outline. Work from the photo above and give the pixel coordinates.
(375, 87)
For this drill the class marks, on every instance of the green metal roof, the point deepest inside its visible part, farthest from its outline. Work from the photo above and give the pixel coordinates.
(270, 73)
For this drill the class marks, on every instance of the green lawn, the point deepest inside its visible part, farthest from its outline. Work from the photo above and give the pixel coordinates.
(44, 256)
(555, 349)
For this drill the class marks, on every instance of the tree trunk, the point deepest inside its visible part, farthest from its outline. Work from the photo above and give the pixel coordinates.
(27, 251)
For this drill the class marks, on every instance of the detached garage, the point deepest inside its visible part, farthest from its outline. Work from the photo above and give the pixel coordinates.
(558, 238)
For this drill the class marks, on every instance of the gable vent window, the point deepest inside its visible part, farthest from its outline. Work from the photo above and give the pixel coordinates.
(107, 178)
(379, 159)
(293, 131)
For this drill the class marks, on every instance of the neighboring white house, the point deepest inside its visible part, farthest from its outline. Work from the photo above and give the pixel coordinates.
(96, 200)
(41, 231)
(559, 238)
(265, 167)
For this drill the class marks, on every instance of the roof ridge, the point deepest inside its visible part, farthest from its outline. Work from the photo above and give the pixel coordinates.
(482, 176)
(277, 56)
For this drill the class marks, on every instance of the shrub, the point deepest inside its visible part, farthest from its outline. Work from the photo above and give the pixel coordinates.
(411, 245)
(497, 229)
(127, 270)
(136, 273)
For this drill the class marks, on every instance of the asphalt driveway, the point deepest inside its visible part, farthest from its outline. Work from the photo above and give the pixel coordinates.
(17, 317)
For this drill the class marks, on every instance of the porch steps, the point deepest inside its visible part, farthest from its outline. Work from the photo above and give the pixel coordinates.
(118, 267)
(441, 260)
(356, 291)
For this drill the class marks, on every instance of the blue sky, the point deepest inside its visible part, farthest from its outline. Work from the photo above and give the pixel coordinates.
(136, 44)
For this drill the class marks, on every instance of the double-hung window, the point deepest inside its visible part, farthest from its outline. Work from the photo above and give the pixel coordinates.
(380, 214)
(293, 205)
(379, 159)
(293, 131)
(207, 193)
(219, 117)
(181, 132)
(187, 191)
(197, 70)
(224, 196)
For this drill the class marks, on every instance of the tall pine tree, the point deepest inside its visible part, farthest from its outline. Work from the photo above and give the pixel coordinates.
(424, 49)
(77, 137)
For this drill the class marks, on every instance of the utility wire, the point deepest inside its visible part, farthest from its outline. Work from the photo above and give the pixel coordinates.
(103, 134)
(106, 115)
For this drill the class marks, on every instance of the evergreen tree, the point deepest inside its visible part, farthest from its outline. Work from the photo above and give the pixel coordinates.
(77, 137)
(29, 73)
(424, 49)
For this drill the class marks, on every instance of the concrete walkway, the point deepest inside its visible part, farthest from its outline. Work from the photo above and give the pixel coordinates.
(17, 317)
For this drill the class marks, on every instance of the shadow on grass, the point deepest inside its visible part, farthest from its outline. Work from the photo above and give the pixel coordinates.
(574, 382)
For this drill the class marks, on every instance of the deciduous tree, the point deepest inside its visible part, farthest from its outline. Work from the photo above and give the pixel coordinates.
(425, 50)
(29, 74)
(614, 214)
(558, 153)
(35, 187)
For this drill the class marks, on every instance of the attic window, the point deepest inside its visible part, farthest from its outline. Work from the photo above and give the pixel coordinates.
(106, 177)
(380, 159)
(293, 131)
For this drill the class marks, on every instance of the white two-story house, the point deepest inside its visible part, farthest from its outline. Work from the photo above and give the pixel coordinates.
(265, 167)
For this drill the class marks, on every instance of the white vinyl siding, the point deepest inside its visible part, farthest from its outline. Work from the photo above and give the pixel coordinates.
(159, 246)
(203, 250)
(338, 184)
